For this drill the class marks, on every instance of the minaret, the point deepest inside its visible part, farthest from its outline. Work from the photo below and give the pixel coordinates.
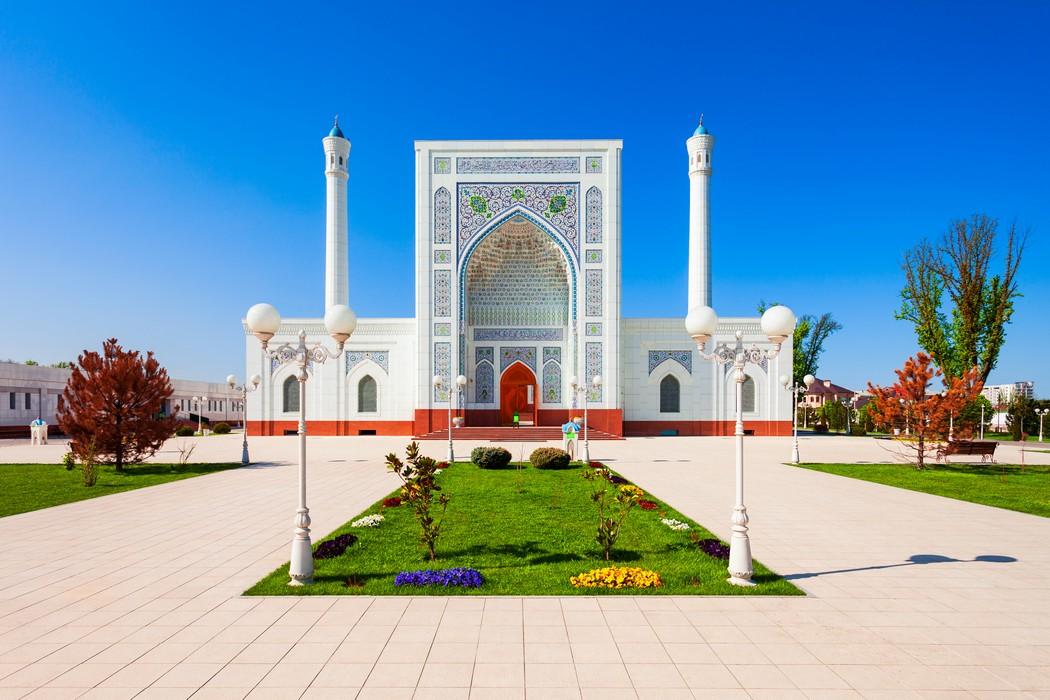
(699, 147)
(336, 172)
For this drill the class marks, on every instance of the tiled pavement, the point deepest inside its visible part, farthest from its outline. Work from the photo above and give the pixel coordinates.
(911, 596)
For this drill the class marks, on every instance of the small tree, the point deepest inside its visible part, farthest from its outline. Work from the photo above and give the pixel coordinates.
(614, 504)
(114, 401)
(418, 489)
(924, 418)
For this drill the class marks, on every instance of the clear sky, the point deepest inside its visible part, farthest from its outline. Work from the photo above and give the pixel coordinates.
(161, 165)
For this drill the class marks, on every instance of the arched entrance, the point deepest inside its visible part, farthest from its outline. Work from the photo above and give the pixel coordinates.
(518, 392)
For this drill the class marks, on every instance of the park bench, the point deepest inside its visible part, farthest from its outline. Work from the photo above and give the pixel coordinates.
(983, 449)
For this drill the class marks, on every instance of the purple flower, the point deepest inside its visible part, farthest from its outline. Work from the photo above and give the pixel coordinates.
(462, 577)
(619, 480)
(334, 547)
(714, 548)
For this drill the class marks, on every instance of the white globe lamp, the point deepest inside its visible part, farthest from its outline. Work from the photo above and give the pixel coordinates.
(340, 320)
(778, 322)
(701, 323)
(263, 321)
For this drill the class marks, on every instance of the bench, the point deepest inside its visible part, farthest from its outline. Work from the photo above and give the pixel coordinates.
(983, 449)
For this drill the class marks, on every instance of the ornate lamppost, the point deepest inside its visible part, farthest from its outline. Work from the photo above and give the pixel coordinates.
(231, 380)
(264, 321)
(461, 382)
(581, 390)
(778, 322)
(199, 400)
(796, 390)
(1041, 412)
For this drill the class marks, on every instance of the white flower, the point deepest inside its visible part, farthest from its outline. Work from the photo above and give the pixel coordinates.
(438, 471)
(368, 521)
(674, 524)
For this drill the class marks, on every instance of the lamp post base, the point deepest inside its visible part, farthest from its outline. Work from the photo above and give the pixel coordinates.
(301, 565)
(740, 581)
(740, 550)
(244, 453)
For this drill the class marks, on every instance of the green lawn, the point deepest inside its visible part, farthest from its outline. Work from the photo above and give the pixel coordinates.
(26, 487)
(527, 531)
(1008, 486)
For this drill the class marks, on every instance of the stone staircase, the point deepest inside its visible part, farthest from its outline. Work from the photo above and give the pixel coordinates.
(528, 433)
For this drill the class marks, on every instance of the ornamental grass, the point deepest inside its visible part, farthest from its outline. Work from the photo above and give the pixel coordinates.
(617, 577)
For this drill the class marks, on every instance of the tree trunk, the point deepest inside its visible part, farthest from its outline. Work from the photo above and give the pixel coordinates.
(120, 447)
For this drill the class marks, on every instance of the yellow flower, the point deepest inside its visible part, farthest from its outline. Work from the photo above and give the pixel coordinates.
(617, 577)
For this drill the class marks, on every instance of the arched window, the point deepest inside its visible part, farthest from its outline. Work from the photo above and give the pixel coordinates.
(670, 394)
(366, 395)
(291, 394)
(748, 402)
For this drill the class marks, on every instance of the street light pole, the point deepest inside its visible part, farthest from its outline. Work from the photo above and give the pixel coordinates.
(982, 420)
(200, 413)
(264, 321)
(581, 390)
(1041, 412)
(701, 324)
(795, 390)
(231, 381)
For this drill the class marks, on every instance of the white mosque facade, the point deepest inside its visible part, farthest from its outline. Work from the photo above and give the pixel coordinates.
(518, 289)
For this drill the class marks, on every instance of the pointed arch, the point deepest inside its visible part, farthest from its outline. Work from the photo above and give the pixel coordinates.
(670, 395)
(367, 395)
(290, 394)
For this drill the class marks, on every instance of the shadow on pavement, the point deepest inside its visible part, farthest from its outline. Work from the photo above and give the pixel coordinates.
(913, 560)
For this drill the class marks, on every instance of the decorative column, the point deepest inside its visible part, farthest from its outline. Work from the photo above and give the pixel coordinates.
(337, 173)
(699, 147)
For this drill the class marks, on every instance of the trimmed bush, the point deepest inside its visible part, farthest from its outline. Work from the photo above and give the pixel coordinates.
(490, 457)
(184, 431)
(221, 429)
(549, 458)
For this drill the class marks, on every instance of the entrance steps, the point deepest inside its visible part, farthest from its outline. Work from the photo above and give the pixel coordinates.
(528, 433)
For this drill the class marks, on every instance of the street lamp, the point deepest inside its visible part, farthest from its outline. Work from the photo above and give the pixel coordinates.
(231, 380)
(200, 411)
(1041, 412)
(461, 382)
(581, 390)
(778, 322)
(795, 390)
(264, 321)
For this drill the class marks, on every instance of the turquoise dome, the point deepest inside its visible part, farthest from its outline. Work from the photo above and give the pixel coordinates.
(336, 131)
(700, 130)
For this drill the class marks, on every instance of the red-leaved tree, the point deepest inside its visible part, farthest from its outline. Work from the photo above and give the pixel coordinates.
(922, 417)
(113, 404)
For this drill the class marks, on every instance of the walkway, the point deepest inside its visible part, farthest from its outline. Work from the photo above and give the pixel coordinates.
(912, 596)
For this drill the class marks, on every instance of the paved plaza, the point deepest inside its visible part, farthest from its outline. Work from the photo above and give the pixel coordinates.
(910, 595)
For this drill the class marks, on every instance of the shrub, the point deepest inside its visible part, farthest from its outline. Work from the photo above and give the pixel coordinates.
(184, 431)
(490, 457)
(329, 549)
(392, 502)
(419, 490)
(617, 577)
(613, 508)
(460, 577)
(858, 429)
(69, 460)
(820, 428)
(221, 429)
(549, 458)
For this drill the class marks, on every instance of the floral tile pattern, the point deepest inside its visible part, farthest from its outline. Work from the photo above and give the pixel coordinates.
(442, 293)
(442, 166)
(510, 355)
(593, 364)
(484, 391)
(519, 333)
(551, 380)
(442, 216)
(594, 164)
(442, 368)
(442, 256)
(682, 357)
(594, 215)
(557, 203)
(593, 329)
(593, 256)
(551, 354)
(593, 292)
(442, 329)
(356, 357)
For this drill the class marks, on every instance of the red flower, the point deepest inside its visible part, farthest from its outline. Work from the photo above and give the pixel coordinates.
(646, 505)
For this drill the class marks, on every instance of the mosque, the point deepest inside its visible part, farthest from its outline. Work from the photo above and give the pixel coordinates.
(518, 265)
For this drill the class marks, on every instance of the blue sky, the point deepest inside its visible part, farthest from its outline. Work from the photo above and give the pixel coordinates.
(161, 164)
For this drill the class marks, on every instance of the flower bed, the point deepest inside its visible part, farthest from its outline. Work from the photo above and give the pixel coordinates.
(368, 521)
(675, 524)
(459, 576)
(332, 548)
(617, 577)
(715, 548)
(392, 502)
(647, 505)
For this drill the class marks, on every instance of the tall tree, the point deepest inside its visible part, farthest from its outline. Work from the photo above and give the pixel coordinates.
(923, 418)
(958, 307)
(811, 332)
(112, 404)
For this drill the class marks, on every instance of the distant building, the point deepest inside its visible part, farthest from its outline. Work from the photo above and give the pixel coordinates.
(1002, 394)
(28, 392)
(824, 391)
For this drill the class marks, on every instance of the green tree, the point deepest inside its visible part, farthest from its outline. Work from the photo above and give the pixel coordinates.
(32, 363)
(958, 307)
(811, 332)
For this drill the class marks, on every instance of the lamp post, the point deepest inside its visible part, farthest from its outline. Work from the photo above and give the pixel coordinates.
(1041, 412)
(200, 411)
(581, 390)
(777, 323)
(795, 390)
(982, 420)
(264, 321)
(461, 382)
(231, 381)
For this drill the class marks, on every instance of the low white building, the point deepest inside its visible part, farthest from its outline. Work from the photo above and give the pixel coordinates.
(518, 288)
(28, 392)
